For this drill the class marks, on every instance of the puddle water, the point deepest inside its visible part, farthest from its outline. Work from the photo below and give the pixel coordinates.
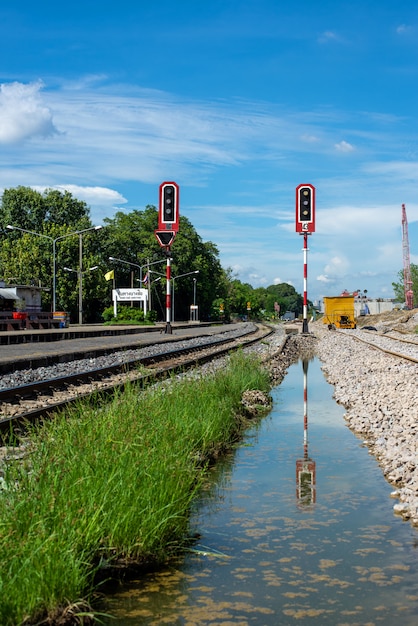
(298, 527)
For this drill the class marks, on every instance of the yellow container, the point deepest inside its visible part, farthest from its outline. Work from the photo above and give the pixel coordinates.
(339, 312)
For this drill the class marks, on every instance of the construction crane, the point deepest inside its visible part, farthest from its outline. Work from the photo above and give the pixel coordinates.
(407, 280)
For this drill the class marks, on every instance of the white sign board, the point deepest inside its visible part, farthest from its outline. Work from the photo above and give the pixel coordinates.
(129, 295)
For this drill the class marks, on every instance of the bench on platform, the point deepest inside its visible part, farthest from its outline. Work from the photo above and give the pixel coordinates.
(31, 321)
(8, 322)
(41, 321)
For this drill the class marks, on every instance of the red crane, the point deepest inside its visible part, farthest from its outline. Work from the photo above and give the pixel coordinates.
(407, 280)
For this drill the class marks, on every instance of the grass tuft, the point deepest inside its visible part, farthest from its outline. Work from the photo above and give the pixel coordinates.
(111, 483)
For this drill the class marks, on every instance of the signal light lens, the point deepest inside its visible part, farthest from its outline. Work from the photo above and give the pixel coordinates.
(168, 202)
(305, 204)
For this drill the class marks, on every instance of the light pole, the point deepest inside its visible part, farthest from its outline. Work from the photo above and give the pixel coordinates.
(32, 232)
(112, 258)
(80, 264)
(174, 278)
(80, 273)
(150, 291)
(194, 316)
(140, 267)
(54, 242)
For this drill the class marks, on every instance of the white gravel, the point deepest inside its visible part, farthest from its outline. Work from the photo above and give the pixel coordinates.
(380, 394)
(24, 377)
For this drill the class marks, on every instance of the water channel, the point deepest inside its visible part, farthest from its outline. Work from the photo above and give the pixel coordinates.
(297, 528)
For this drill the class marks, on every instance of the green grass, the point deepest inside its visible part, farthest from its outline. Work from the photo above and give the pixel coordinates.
(103, 484)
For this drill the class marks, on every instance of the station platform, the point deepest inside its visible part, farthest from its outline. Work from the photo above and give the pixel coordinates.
(48, 347)
(75, 331)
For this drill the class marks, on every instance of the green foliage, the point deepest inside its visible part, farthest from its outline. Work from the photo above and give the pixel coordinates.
(398, 288)
(151, 317)
(115, 481)
(108, 314)
(128, 314)
(130, 237)
(29, 209)
(286, 296)
(53, 219)
(125, 314)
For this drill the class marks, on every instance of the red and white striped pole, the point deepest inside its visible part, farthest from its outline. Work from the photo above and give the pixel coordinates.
(305, 283)
(168, 329)
(305, 225)
(305, 408)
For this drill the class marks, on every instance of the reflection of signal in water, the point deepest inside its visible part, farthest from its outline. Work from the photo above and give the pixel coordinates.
(305, 468)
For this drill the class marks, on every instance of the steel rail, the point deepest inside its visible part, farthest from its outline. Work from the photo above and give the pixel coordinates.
(385, 350)
(14, 423)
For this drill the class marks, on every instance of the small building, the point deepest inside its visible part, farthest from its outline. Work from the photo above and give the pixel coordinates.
(372, 306)
(26, 297)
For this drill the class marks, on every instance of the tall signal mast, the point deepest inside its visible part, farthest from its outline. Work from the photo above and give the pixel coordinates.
(407, 280)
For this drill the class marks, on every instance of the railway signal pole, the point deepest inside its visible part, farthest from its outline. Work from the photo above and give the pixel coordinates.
(168, 226)
(407, 280)
(305, 225)
(306, 467)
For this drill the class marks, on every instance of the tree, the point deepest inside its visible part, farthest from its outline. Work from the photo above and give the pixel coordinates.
(286, 296)
(27, 257)
(26, 208)
(398, 288)
(53, 219)
(130, 237)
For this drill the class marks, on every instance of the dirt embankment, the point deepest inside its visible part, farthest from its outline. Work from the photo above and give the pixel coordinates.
(401, 321)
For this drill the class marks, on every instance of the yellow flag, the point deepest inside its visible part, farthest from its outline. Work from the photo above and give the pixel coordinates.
(110, 275)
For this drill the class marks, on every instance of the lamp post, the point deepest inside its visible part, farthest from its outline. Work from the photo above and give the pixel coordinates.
(112, 258)
(54, 243)
(80, 264)
(80, 273)
(194, 316)
(174, 278)
(32, 232)
(140, 267)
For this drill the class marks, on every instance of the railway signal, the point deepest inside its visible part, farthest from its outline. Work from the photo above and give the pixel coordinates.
(168, 216)
(305, 208)
(305, 225)
(168, 226)
(165, 237)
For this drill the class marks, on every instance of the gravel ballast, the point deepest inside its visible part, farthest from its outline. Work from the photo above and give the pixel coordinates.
(380, 394)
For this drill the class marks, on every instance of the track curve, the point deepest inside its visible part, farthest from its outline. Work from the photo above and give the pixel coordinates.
(399, 347)
(40, 399)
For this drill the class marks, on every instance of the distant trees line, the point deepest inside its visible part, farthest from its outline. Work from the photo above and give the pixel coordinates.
(26, 258)
(399, 289)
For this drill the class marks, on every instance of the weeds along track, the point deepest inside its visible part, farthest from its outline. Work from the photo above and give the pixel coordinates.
(394, 345)
(41, 399)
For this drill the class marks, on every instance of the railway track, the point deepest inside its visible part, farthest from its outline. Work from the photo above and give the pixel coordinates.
(30, 402)
(394, 345)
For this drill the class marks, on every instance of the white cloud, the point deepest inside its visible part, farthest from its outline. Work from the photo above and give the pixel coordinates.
(102, 200)
(324, 279)
(279, 281)
(22, 113)
(90, 195)
(337, 266)
(361, 221)
(328, 36)
(403, 28)
(310, 138)
(344, 146)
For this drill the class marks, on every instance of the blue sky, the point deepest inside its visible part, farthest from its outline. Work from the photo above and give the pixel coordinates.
(238, 102)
